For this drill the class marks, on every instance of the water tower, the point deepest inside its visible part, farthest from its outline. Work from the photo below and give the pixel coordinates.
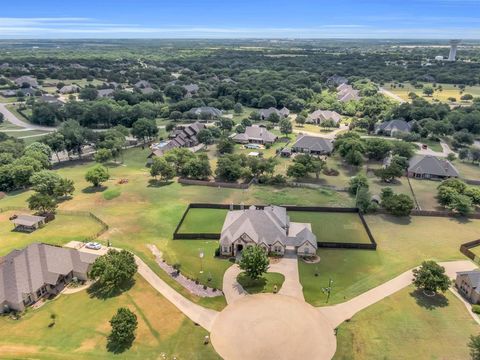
(453, 50)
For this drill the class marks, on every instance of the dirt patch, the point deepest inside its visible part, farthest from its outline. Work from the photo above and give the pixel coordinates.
(311, 259)
(87, 345)
(18, 350)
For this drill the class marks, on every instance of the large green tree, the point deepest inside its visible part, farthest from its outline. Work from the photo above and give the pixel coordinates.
(113, 270)
(124, 324)
(254, 262)
(431, 277)
(97, 175)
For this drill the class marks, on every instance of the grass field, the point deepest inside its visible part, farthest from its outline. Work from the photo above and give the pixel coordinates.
(63, 229)
(405, 325)
(449, 90)
(333, 227)
(264, 284)
(402, 244)
(203, 221)
(467, 170)
(82, 325)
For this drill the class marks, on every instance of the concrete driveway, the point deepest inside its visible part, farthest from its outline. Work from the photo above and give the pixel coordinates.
(288, 267)
(10, 117)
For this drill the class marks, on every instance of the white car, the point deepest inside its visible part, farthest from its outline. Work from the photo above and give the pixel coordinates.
(93, 246)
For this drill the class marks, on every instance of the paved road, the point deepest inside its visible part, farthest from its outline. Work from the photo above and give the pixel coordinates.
(232, 290)
(337, 314)
(10, 117)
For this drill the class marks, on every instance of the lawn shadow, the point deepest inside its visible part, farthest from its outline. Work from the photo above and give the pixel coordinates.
(98, 291)
(94, 189)
(429, 302)
(158, 183)
(398, 220)
(118, 348)
(461, 219)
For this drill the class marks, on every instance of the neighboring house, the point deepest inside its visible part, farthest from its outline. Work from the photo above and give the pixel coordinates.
(270, 228)
(192, 89)
(69, 89)
(468, 284)
(50, 99)
(255, 134)
(393, 126)
(142, 84)
(28, 223)
(28, 91)
(312, 145)
(320, 116)
(9, 93)
(32, 82)
(207, 111)
(265, 113)
(346, 93)
(37, 271)
(104, 93)
(336, 80)
(430, 167)
(182, 136)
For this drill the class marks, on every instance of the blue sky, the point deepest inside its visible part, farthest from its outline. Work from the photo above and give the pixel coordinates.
(406, 19)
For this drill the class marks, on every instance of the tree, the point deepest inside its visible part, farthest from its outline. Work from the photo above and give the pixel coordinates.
(232, 167)
(113, 270)
(474, 345)
(431, 277)
(64, 188)
(356, 182)
(428, 90)
(160, 167)
(285, 126)
(300, 120)
(238, 108)
(124, 324)
(462, 204)
(97, 175)
(42, 202)
(179, 157)
(403, 149)
(297, 171)
(364, 201)
(226, 124)
(144, 129)
(225, 145)
(377, 149)
(44, 114)
(205, 137)
(197, 168)
(88, 93)
(267, 101)
(102, 156)
(398, 204)
(56, 142)
(45, 182)
(254, 262)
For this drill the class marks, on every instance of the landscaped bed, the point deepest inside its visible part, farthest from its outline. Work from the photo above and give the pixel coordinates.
(333, 227)
(203, 221)
(264, 284)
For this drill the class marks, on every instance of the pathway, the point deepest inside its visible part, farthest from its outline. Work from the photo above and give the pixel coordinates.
(288, 267)
(391, 95)
(12, 118)
(232, 290)
(337, 314)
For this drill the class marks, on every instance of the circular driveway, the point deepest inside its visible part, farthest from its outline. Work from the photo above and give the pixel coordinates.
(268, 326)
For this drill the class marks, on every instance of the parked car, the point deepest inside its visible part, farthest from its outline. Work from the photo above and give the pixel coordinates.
(93, 246)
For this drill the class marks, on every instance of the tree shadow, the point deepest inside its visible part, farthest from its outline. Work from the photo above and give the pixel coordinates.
(94, 189)
(461, 219)
(429, 302)
(158, 183)
(118, 348)
(398, 220)
(96, 290)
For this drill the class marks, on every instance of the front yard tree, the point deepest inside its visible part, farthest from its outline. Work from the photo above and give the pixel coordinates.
(359, 181)
(474, 346)
(285, 127)
(428, 90)
(144, 129)
(103, 156)
(225, 146)
(300, 120)
(113, 270)
(124, 324)
(160, 167)
(42, 203)
(431, 277)
(398, 204)
(97, 175)
(254, 262)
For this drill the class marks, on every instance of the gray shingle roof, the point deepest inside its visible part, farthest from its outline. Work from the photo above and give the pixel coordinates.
(427, 164)
(255, 132)
(26, 79)
(313, 143)
(320, 116)
(265, 113)
(206, 110)
(473, 277)
(394, 125)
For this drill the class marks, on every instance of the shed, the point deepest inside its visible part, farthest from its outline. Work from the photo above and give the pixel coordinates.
(28, 223)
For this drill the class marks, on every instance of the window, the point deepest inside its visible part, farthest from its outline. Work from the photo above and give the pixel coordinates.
(306, 250)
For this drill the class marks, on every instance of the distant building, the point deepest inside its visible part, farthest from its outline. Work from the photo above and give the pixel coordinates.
(336, 80)
(51, 100)
(313, 145)
(38, 271)
(265, 113)
(347, 93)
(393, 126)
(32, 82)
(430, 167)
(255, 135)
(142, 84)
(192, 89)
(182, 136)
(320, 116)
(105, 93)
(453, 50)
(206, 111)
(69, 89)
(439, 58)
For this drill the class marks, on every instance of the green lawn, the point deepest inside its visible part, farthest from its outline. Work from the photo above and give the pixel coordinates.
(63, 229)
(264, 284)
(333, 227)
(449, 90)
(82, 325)
(433, 145)
(426, 193)
(408, 325)
(467, 170)
(203, 221)
(402, 244)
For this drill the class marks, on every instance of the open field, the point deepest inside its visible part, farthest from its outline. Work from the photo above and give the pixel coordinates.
(82, 325)
(203, 221)
(21, 134)
(402, 244)
(264, 284)
(404, 325)
(333, 227)
(449, 90)
(63, 229)
(467, 170)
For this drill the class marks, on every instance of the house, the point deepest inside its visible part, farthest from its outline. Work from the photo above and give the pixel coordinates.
(347, 93)
(314, 145)
(69, 89)
(255, 134)
(265, 113)
(28, 223)
(430, 167)
(336, 80)
(191, 89)
(142, 84)
(28, 91)
(468, 284)
(50, 99)
(22, 80)
(104, 93)
(270, 228)
(206, 112)
(37, 271)
(321, 116)
(8, 93)
(393, 126)
(182, 136)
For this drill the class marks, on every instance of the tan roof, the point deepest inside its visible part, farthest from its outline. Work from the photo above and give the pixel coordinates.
(28, 220)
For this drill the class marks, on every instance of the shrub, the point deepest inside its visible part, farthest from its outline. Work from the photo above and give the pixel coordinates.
(476, 309)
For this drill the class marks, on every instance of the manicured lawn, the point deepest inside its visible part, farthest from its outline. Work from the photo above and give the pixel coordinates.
(265, 284)
(63, 229)
(13, 109)
(408, 325)
(333, 227)
(21, 134)
(402, 244)
(433, 145)
(468, 170)
(82, 325)
(449, 90)
(203, 221)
